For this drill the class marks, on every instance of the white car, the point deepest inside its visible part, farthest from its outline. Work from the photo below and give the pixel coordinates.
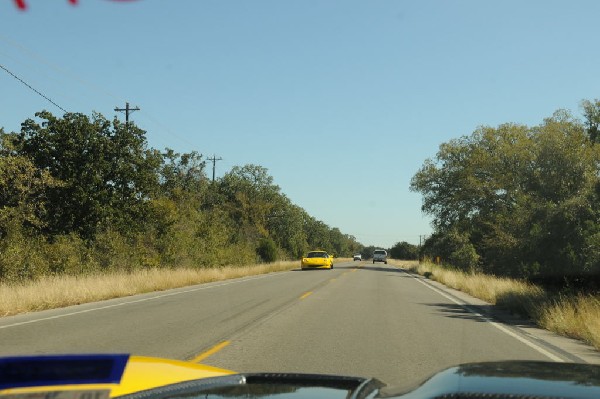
(358, 257)
(380, 255)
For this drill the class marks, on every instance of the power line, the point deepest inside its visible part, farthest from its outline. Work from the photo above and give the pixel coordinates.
(26, 84)
(162, 130)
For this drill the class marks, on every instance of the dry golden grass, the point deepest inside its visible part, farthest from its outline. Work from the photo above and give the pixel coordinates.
(56, 292)
(489, 288)
(405, 264)
(573, 316)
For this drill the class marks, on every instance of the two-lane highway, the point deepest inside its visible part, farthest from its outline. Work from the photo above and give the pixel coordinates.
(177, 323)
(358, 319)
(374, 320)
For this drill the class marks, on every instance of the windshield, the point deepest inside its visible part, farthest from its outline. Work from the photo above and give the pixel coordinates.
(167, 166)
(317, 255)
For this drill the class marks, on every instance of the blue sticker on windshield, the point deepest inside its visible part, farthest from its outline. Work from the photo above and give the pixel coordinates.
(31, 371)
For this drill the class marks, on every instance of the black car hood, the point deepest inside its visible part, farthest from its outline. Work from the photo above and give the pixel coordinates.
(493, 380)
(510, 379)
(497, 380)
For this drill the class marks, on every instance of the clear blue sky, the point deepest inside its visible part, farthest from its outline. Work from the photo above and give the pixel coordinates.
(342, 101)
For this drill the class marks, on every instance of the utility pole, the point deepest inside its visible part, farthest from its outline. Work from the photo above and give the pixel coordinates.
(127, 111)
(214, 160)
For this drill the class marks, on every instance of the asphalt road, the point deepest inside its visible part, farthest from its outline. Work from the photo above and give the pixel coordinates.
(358, 319)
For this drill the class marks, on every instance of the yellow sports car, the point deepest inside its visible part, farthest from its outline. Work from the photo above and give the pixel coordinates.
(317, 260)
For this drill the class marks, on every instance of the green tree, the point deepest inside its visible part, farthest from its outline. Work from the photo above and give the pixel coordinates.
(404, 250)
(182, 176)
(267, 250)
(107, 171)
(474, 175)
(317, 234)
(81, 194)
(250, 196)
(518, 198)
(23, 188)
(367, 252)
(591, 113)
(285, 226)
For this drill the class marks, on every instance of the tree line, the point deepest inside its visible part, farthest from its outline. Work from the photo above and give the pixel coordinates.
(517, 200)
(83, 194)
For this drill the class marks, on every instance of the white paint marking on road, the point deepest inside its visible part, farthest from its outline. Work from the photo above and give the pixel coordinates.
(136, 301)
(493, 323)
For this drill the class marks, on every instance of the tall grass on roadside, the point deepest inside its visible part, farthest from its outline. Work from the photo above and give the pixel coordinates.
(575, 316)
(59, 291)
(518, 296)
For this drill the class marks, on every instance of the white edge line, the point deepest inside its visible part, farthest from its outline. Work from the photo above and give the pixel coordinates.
(204, 287)
(499, 326)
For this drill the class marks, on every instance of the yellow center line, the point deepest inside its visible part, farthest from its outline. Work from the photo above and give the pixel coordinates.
(210, 352)
(332, 279)
(354, 270)
(306, 294)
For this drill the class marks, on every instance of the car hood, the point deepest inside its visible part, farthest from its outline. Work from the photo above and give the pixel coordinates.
(508, 379)
(133, 377)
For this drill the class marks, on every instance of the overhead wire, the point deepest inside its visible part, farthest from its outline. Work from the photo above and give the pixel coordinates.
(90, 85)
(32, 88)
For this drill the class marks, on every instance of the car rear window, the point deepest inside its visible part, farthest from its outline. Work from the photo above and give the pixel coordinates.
(316, 255)
(380, 252)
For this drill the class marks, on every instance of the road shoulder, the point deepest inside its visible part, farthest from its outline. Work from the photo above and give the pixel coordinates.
(568, 349)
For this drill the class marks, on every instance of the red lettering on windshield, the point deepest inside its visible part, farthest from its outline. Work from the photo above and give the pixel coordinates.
(21, 5)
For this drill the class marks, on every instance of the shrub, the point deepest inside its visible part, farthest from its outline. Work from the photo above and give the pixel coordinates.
(267, 250)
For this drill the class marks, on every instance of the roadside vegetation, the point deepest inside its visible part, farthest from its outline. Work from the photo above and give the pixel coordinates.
(516, 217)
(86, 196)
(51, 292)
(518, 201)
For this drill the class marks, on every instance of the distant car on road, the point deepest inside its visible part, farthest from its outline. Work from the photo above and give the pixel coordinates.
(358, 257)
(317, 260)
(380, 255)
